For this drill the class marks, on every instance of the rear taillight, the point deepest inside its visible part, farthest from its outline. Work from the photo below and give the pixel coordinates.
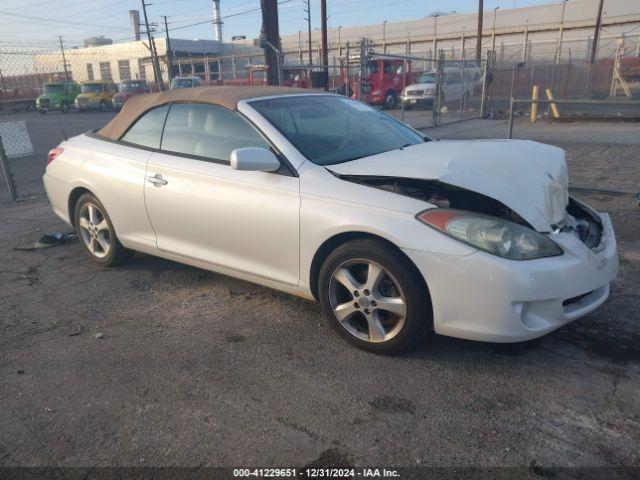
(53, 154)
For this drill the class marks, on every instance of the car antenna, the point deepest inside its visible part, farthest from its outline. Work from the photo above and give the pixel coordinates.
(64, 135)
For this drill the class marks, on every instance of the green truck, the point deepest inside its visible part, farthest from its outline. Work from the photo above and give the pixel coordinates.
(57, 96)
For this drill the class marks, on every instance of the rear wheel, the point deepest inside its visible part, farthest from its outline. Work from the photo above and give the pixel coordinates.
(373, 297)
(96, 232)
(64, 107)
(103, 106)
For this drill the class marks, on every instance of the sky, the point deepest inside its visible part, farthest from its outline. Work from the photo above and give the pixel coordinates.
(34, 24)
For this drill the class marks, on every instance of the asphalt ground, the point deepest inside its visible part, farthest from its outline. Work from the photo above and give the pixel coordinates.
(198, 369)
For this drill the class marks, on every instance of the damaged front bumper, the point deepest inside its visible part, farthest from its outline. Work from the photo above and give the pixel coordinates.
(488, 298)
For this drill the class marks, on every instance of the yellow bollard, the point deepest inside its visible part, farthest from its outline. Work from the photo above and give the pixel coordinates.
(554, 108)
(534, 106)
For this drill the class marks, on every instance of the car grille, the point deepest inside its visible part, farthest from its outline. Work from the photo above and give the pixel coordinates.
(572, 300)
(415, 93)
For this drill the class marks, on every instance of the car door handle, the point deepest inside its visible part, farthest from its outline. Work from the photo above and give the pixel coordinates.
(157, 180)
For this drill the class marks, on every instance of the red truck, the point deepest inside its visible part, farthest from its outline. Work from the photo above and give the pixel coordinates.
(384, 83)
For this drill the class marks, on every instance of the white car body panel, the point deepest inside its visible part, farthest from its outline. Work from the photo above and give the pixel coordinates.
(268, 227)
(248, 221)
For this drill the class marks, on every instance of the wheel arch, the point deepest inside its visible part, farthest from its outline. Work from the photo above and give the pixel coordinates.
(75, 194)
(338, 239)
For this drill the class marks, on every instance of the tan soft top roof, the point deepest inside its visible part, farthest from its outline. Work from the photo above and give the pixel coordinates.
(226, 96)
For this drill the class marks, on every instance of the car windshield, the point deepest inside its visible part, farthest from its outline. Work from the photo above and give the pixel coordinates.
(54, 88)
(130, 86)
(333, 129)
(91, 88)
(181, 83)
(427, 78)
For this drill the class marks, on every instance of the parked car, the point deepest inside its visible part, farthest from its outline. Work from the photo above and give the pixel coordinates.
(57, 96)
(455, 85)
(128, 89)
(384, 82)
(96, 94)
(327, 198)
(185, 82)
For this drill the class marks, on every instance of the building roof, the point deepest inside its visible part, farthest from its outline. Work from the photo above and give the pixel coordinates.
(225, 96)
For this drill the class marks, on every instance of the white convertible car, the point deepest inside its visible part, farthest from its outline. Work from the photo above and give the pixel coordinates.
(395, 234)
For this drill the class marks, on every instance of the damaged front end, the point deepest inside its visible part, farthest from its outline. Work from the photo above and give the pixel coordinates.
(579, 219)
(583, 222)
(439, 194)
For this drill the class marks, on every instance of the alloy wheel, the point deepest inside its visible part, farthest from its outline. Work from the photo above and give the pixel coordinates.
(367, 300)
(94, 230)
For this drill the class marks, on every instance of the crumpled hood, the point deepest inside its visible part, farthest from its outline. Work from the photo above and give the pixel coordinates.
(528, 177)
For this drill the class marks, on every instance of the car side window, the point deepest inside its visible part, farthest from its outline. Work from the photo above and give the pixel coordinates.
(208, 131)
(147, 131)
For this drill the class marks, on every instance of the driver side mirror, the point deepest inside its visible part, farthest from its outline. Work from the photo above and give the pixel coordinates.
(254, 159)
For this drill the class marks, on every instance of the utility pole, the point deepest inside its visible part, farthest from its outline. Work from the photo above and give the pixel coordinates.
(64, 61)
(308, 19)
(596, 33)
(270, 41)
(157, 75)
(479, 41)
(325, 47)
(169, 53)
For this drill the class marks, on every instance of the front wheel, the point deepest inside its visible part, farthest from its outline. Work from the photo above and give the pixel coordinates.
(374, 297)
(96, 232)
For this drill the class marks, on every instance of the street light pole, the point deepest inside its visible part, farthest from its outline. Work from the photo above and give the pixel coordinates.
(64, 60)
(169, 53)
(308, 19)
(596, 33)
(493, 36)
(435, 39)
(560, 33)
(384, 36)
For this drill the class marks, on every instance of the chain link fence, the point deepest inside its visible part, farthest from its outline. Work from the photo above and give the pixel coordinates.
(424, 81)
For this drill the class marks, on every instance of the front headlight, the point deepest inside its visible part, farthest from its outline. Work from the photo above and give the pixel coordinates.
(491, 234)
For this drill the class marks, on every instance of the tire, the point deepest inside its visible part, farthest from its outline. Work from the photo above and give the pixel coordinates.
(103, 106)
(42, 111)
(366, 323)
(390, 100)
(407, 106)
(93, 237)
(64, 107)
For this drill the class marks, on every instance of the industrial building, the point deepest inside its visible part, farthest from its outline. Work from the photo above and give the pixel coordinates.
(561, 31)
